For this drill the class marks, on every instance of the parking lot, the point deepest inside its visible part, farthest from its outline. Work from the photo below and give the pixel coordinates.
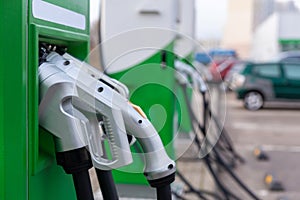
(275, 129)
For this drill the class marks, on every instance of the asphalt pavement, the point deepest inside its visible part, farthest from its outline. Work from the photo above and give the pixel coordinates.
(276, 130)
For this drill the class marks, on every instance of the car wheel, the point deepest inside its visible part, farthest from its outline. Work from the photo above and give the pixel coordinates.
(253, 100)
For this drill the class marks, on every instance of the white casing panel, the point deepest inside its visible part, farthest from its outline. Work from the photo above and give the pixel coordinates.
(186, 28)
(134, 30)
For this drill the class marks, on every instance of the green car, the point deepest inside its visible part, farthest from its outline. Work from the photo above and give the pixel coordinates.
(257, 83)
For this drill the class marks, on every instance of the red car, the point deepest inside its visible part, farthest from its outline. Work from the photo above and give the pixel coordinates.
(220, 68)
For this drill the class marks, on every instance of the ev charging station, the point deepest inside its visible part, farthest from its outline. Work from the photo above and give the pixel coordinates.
(60, 116)
(185, 46)
(28, 168)
(137, 49)
(185, 49)
(65, 112)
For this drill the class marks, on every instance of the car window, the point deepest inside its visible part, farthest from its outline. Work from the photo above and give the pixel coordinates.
(292, 71)
(272, 71)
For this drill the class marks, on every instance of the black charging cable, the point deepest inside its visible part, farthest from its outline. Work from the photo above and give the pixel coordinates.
(200, 193)
(217, 154)
(77, 162)
(224, 141)
(106, 183)
(191, 189)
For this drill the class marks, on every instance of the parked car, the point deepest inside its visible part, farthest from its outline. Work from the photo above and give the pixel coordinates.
(235, 69)
(220, 68)
(261, 82)
(214, 54)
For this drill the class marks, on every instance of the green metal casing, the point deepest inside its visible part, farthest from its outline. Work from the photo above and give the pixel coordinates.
(28, 168)
(184, 125)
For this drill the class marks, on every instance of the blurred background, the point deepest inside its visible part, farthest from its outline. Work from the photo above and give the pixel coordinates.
(238, 25)
(252, 48)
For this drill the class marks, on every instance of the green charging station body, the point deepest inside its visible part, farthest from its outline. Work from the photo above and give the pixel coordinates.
(185, 47)
(154, 94)
(137, 49)
(28, 168)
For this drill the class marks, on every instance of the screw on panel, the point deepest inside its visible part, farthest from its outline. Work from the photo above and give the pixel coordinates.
(100, 89)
